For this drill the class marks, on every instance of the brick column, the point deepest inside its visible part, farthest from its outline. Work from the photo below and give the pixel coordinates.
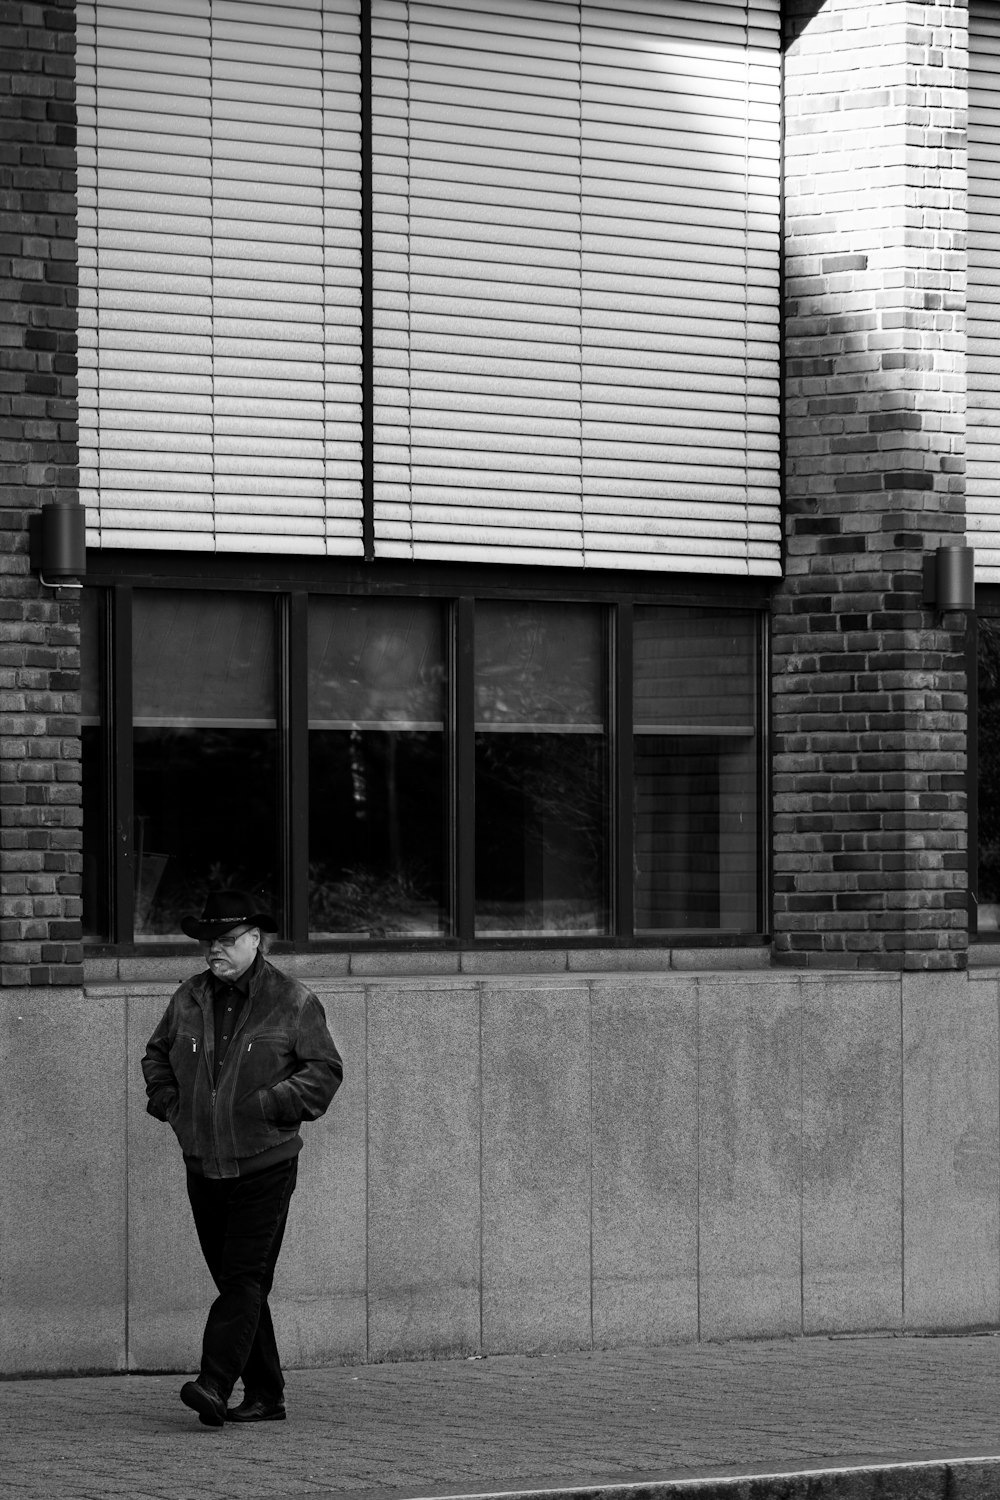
(40, 817)
(869, 686)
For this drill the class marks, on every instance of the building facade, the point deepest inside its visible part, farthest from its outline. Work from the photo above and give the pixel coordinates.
(530, 454)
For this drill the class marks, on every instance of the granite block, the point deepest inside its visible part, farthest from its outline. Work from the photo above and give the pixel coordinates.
(645, 1135)
(951, 1151)
(99, 970)
(402, 965)
(536, 1167)
(514, 961)
(423, 1192)
(618, 960)
(171, 970)
(169, 1288)
(319, 1297)
(310, 967)
(749, 1159)
(719, 960)
(851, 1157)
(64, 1222)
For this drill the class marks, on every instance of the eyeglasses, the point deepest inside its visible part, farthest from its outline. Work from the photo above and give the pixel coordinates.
(229, 941)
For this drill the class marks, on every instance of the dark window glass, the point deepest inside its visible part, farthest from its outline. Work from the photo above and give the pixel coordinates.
(988, 740)
(378, 815)
(696, 757)
(541, 769)
(384, 831)
(204, 752)
(96, 814)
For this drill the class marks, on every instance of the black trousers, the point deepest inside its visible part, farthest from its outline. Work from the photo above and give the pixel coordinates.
(241, 1223)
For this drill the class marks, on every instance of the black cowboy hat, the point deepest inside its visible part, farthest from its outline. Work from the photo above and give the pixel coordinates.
(226, 909)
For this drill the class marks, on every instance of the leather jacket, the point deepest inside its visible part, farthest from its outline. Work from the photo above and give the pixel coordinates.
(282, 1067)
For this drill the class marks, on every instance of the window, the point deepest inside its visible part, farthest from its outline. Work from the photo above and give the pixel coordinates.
(695, 770)
(445, 767)
(987, 780)
(541, 770)
(204, 751)
(377, 768)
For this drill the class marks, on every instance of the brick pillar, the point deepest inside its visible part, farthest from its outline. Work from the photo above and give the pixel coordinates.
(40, 816)
(869, 685)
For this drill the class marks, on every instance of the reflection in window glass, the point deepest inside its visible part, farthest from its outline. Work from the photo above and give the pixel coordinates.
(377, 768)
(988, 730)
(695, 771)
(541, 769)
(96, 817)
(204, 749)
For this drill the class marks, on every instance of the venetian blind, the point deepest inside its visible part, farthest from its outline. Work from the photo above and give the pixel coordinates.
(983, 422)
(576, 282)
(220, 271)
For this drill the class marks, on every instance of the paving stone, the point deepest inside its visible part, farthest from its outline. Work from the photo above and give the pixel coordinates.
(864, 1418)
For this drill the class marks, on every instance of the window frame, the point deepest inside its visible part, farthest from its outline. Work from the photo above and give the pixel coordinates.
(290, 582)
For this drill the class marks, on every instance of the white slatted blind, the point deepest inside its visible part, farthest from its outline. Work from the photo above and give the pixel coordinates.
(220, 274)
(576, 282)
(983, 423)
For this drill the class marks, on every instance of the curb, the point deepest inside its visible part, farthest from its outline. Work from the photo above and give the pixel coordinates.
(931, 1479)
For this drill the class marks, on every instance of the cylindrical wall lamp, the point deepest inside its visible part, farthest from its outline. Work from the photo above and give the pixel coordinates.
(59, 544)
(950, 578)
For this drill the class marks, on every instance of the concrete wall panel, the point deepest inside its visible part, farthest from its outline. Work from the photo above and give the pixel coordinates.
(852, 1171)
(423, 1189)
(536, 1167)
(750, 1156)
(169, 1288)
(951, 1137)
(63, 1226)
(645, 1129)
(320, 1288)
(519, 1163)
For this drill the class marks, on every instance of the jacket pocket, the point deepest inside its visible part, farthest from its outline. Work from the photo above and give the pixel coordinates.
(264, 1058)
(185, 1057)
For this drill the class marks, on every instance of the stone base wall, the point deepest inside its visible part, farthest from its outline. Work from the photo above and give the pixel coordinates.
(531, 1163)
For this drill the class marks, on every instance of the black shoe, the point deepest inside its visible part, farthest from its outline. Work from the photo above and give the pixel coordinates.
(207, 1403)
(257, 1409)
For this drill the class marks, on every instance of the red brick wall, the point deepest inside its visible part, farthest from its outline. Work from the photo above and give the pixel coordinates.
(40, 832)
(869, 689)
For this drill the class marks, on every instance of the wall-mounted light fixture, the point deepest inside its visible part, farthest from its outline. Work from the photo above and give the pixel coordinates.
(58, 544)
(950, 578)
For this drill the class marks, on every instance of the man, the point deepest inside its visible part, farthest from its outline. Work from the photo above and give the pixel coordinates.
(241, 1057)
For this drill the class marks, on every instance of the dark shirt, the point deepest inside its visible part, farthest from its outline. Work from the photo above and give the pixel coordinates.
(228, 1000)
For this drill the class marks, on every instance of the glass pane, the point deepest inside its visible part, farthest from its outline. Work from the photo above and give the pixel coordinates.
(203, 659)
(694, 669)
(541, 770)
(204, 752)
(538, 666)
(96, 819)
(378, 826)
(696, 748)
(988, 731)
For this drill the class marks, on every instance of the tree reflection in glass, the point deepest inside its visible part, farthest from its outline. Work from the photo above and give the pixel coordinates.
(204, 752)
(541, 769)
(377, 812)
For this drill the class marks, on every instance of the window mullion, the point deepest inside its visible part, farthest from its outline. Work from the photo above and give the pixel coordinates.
(119, 665)
(622, 770)
(294, 761)
(463, 778)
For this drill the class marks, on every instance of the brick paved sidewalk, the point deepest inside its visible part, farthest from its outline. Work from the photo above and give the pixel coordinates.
(517, 1423)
